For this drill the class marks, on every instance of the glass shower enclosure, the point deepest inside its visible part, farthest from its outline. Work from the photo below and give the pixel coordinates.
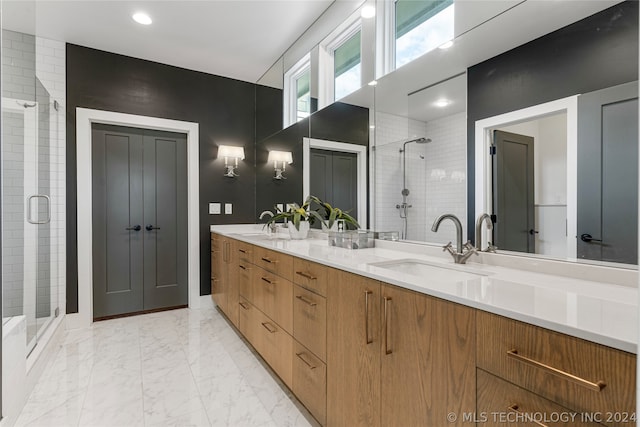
(29, 119)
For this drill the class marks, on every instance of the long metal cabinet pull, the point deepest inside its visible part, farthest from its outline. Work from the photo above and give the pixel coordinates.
(41, 196)
(271, 282)
(597, 386)
(244, 305)
(305, 275)
(387, 329)
(269, 260)
(306, 300)
(269, 327)
(306, 362)
(366, 317)
(514, 408)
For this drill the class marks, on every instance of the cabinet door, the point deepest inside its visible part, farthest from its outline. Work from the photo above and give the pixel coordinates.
(428, 359)
(218, 272)
(353, 350)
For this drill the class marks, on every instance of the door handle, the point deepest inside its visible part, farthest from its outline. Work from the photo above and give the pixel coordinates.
(588, 238)
(532, 232)
(38, 222)
(136, 227)
(151, 227)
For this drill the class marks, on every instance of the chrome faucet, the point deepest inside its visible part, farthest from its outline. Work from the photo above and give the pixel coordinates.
(462, 252)
(482, 218)
(272, 226)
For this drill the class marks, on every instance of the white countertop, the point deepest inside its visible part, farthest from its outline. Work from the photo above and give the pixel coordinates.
(604, 313)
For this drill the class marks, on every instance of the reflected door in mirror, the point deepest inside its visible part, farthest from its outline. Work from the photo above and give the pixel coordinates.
(608, 174)
(513, 190)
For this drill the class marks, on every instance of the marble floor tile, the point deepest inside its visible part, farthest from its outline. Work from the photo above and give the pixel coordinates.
(175, 368)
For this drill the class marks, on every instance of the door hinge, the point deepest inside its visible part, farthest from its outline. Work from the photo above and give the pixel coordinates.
(492, 150)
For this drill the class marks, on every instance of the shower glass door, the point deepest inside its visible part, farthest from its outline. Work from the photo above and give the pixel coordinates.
(28, 123)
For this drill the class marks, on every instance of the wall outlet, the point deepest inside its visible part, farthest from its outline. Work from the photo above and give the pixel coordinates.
(228, 208)
(214, 209)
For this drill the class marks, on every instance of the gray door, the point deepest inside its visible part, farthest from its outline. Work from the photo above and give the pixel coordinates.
(513, 192)
(608, 174)
(334, 178)
(139, 220)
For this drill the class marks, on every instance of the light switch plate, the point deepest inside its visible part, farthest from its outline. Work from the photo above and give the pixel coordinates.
(214, 208)
(228, 208)
(290, 205)
(280, 207)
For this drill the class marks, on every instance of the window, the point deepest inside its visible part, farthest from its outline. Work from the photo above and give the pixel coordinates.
(297, 91)
(303, 94)
(346, 66)
(340, 59)
(421, 26)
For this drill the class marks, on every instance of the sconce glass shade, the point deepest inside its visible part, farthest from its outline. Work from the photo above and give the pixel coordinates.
(280, 156)
(231, 151)
(280, 160)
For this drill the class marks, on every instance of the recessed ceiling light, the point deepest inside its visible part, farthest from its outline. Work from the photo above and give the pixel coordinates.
(142, 18)
(372, 126)
(442, 103)
(446, 45)
(368, 12)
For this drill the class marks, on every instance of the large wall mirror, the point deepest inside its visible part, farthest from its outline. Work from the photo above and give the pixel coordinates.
(437, 117)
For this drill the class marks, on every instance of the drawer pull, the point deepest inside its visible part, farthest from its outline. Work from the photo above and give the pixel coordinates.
(271, 282)
(242, 267)
(514, 408)
(306, 300)
(243, 251)
(306, 362)
(269, 327)
(244, 305)
(306, 275)
(597, 386)
(269, 260)
(366, 317)
(387, 329)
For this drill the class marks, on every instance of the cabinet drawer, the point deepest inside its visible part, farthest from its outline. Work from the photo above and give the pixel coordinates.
(310, 320)
(310, 381)
(276, 347)
(274, 262)
(247, 318)
(501, 403)
(577, 374)
(273, 295)
(245, 278)
(244, 251)
(310, 275)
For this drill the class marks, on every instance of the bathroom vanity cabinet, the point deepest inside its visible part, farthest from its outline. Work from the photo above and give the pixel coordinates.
(360, 352)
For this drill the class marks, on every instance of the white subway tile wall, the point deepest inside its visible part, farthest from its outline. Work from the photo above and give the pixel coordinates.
(26, 57)
(435, 175)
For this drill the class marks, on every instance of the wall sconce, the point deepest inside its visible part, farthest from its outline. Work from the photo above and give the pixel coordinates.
(280, 158)
(236, 153)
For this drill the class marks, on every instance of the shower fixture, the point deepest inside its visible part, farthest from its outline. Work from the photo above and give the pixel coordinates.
(403, 207)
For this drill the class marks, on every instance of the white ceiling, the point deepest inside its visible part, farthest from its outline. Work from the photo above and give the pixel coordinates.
(240, 39)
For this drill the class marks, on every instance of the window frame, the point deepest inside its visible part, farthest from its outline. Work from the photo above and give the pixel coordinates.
(328, 46)
(290, 93)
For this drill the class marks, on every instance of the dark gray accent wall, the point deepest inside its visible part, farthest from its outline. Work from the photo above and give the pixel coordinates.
(225, 110)
(339, 122)
(594, 53)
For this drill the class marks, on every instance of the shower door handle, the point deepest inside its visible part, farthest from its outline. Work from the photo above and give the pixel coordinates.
(48, 218)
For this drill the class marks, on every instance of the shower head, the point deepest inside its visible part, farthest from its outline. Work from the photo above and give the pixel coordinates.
(421, 140)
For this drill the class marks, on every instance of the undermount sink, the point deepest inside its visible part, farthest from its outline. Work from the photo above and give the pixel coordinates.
(431, 270)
